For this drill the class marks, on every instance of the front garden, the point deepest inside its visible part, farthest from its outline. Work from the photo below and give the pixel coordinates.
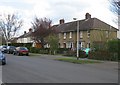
(109, 51)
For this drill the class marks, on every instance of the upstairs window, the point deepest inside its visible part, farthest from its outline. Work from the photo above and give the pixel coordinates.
(88, 33)
(64, 35)
(70, 36)
(81, 34)
(107, 34)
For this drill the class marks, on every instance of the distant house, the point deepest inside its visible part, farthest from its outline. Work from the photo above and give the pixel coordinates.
(26, 37)
(90, 30)
(14, 40)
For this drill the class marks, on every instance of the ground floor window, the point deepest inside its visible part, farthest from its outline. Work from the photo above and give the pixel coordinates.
(64, 45)
(88, 45)
(82, 44)
(70, 45)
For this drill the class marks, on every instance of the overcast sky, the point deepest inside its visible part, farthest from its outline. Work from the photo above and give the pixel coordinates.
(58, 9)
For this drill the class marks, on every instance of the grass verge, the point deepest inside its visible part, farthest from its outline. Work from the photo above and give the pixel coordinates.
(80, 61)
(33, 54)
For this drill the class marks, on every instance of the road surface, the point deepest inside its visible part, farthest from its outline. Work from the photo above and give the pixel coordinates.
(24, 69)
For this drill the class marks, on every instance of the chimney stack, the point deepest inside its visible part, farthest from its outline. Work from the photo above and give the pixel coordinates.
(61, 21)
(87, 16)
(24, 32)
(30, 30)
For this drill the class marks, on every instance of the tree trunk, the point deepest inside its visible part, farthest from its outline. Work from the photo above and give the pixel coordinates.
(7, 42)
(54, 52)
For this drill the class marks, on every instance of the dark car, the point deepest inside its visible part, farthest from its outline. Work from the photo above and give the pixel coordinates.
(3, 48)
(2, 58)
(21, 51)
(10, 49)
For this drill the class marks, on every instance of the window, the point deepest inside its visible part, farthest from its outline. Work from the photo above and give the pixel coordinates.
(81, 34)
(64, 35)
(88, 33)
(107, 34)
(70, 36)
(59, 45)
(88, 45)
(64, 45)
(82, 44)
(70, 45)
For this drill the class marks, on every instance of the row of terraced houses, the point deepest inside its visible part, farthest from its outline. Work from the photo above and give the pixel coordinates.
(90, 30)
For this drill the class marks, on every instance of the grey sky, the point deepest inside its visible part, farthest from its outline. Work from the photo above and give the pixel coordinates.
(57, 9)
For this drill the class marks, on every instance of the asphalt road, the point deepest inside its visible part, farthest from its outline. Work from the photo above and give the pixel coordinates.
(24, 69)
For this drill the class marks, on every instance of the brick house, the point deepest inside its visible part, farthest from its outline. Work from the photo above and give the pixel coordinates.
(90, 30)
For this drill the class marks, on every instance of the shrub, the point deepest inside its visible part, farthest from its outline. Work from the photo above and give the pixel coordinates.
(62, 50)
(103, 55)
(74, 53)
(114, 45)
(39, 50)
(69, 53)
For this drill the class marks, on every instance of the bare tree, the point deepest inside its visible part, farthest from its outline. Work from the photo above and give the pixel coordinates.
(9, 25)
(115, 6)
(42, 28)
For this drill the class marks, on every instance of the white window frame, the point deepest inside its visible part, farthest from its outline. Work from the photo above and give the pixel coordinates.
(88, 45)
(70, 36)
(88, 33)
(81, 34)
(64, 35)
(82, 44)
(107, 34)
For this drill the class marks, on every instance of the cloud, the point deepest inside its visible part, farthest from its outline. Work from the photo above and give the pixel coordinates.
(57, 9)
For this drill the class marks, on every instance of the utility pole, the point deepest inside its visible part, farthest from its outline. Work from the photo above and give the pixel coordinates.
(77, 38)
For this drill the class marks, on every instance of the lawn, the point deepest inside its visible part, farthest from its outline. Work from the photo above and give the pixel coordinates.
(80, 61)
(34, 54)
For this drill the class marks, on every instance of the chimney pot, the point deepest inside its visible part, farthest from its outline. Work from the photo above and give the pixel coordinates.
(62, 21)
(24, 32)
(87, 16)
(30, 30)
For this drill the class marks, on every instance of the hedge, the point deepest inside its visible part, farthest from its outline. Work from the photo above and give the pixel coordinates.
(47, 50)
(62, 50)
(39, 50)
(82, 54)
(103, 55)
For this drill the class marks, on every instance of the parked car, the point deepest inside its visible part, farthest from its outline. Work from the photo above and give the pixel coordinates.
(21, 51)
(10, 49)
(3, 48)
(2, 58)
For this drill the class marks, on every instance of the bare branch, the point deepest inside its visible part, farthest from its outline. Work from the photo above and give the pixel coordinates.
(10, 24)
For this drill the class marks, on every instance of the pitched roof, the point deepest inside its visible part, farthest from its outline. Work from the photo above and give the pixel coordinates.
(25, 35)
(85, 24)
